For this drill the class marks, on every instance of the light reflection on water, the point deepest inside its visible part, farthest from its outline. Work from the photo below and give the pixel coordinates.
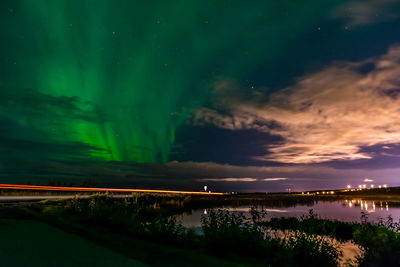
(368, 206)
(342, 210)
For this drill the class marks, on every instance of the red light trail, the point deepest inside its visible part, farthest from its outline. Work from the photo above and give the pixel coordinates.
(99, 189)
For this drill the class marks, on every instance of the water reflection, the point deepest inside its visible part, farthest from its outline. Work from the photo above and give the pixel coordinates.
(368, 206)
(343, 210)
(247, 209)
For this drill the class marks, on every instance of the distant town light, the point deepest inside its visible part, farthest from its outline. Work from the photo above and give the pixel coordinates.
(205, 188)
(348, 186)
(364, 186)
(332, 192)
(372, 186)
(385, 185)
(380, 186)
(359, 186)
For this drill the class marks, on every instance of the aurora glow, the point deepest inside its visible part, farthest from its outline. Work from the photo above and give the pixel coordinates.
(158, 82)
(137, 67)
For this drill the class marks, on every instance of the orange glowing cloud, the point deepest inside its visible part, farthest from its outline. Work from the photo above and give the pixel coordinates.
(324, 116)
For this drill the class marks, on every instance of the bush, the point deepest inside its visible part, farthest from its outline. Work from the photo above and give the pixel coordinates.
(381, 245)
(312, 250)
(311, 224)
(233, 234)
(136, 216)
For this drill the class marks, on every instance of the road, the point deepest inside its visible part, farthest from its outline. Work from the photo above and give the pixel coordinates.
(123, 192)
(43, 197)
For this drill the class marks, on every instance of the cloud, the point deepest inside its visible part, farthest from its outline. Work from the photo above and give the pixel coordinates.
(31, 105)
(365, 12)
(244, 179)
(366, 180)
(274, 179)
(327, 115)
(192, 175)
(227, 180)
(301, 177)
(201, 170)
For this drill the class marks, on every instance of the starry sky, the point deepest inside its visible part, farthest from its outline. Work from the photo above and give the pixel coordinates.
(241, 96)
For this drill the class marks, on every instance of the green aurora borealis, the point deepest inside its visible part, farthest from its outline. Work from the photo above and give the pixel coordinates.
(123, 75)
(243, 95)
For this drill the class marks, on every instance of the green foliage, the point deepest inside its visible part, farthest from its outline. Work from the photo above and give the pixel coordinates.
(311, 224)
(312, 250)
(230, 233)
(380, 242)
(135, 216)
(381, 245)
(233, 235)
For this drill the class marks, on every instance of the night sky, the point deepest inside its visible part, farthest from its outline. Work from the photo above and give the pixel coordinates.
(238, 95)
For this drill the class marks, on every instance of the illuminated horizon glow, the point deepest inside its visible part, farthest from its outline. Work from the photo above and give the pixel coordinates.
(99, 189)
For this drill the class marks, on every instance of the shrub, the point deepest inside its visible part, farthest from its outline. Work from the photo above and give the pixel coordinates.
(381, 245)
(233, 234)
(311, 224)
(312, 250)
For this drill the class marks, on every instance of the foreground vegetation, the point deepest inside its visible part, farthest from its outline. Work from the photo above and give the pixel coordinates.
(226, 235)
(144, 225)
(380, 241)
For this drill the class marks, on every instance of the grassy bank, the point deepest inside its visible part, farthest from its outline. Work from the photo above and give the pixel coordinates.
(380, 241)
(143, 225)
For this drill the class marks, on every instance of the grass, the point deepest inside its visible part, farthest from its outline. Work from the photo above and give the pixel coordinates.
(143, 225)
(227, 235)
(232, 234)
(311, 224)
(379, 241)
(381, 245)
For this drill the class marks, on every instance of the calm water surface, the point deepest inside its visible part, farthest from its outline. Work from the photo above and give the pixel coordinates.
(343, 210)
